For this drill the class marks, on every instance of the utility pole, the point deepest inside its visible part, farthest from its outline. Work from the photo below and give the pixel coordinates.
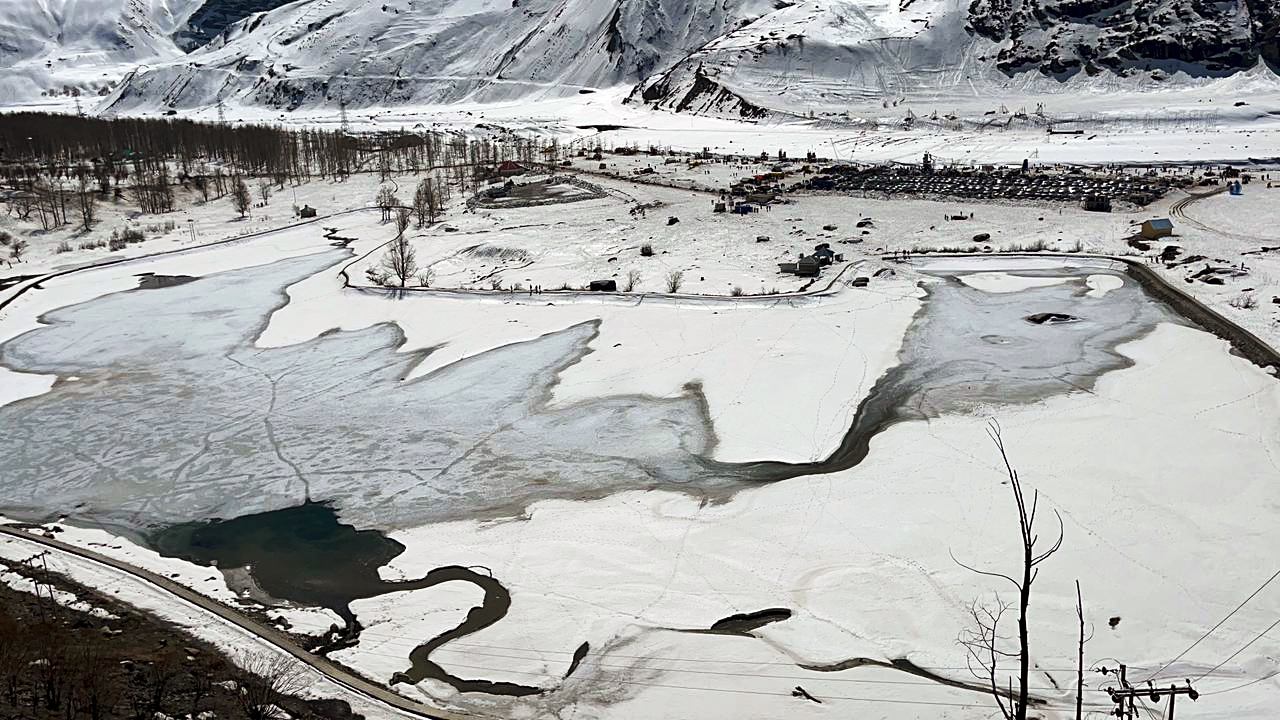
(34, 575)
(1125, 695)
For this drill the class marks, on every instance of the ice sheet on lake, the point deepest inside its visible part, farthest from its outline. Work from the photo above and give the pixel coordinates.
(177, 416)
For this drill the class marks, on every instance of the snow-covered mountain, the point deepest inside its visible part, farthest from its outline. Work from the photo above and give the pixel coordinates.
(823, 54)
(725, 57)
(45, 44)
(1064, 37)
(214, 16)
(367, 52)
(85, 46)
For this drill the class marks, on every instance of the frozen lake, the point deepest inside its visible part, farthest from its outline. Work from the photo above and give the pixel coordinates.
(174, 415)
(168, 416)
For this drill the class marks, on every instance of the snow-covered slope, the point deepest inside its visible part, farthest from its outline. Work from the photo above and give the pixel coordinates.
(367, 52)
(825, 54)
(822, 53)
(82, 44)
(739, 58)
(1064, 37)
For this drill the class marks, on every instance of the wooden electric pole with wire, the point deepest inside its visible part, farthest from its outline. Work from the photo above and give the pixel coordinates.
(1125, 696)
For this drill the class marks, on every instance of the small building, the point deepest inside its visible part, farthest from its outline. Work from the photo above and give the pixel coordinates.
(307, 212)
(510, 169)
(1157, 228)
(805, 267)
(860, 281)
(1097, 203)
(604, 286)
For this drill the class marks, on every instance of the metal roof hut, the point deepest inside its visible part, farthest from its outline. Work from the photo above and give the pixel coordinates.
(808, 267)
(509, 169)
(1157, 228)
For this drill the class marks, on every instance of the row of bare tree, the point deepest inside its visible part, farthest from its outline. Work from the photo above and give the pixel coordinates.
(50, 671)
(49, 162)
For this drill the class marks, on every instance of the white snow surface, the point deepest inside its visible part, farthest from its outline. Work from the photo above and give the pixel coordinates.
(863, 558)
(1163, 472)
(21, 583)
(83, 44)
(1003, 282)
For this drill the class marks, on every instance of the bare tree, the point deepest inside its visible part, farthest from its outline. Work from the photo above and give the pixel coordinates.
(386, 200)
(157, 682)
(96, 693)
(1032, 557)
(403, 216)
(425, 277)
(15, 656)
(426, 203)
(983, 644)
(201, 687)
(240, 198)
(1080, 655)
(674, 280)
(633, 279)
(400, 259)
(86, 201)
(264, 191)
(264, 680)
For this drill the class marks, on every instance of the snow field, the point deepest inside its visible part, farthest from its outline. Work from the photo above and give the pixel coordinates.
(863, 557)
(1161, 474)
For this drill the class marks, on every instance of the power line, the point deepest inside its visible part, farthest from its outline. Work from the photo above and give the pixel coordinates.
(1215, 627)
(760, 675)
(731, 690)
(458, 643)
(1268, 676)
(1246, 647)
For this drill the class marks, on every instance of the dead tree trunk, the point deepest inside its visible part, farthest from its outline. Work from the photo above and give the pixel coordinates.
(988, 657)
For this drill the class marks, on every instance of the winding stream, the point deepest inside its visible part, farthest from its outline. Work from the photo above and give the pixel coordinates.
(176, 419)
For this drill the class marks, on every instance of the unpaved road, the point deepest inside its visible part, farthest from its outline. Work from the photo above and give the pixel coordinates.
(352, 682)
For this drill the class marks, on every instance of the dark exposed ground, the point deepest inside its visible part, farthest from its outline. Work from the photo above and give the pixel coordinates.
(60, 663)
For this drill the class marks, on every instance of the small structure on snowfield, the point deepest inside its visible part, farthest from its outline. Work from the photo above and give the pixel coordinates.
(307, 212)
(1097, 203)
(1157, 228)
(805, 267)
(509, 169)
(603, 286)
